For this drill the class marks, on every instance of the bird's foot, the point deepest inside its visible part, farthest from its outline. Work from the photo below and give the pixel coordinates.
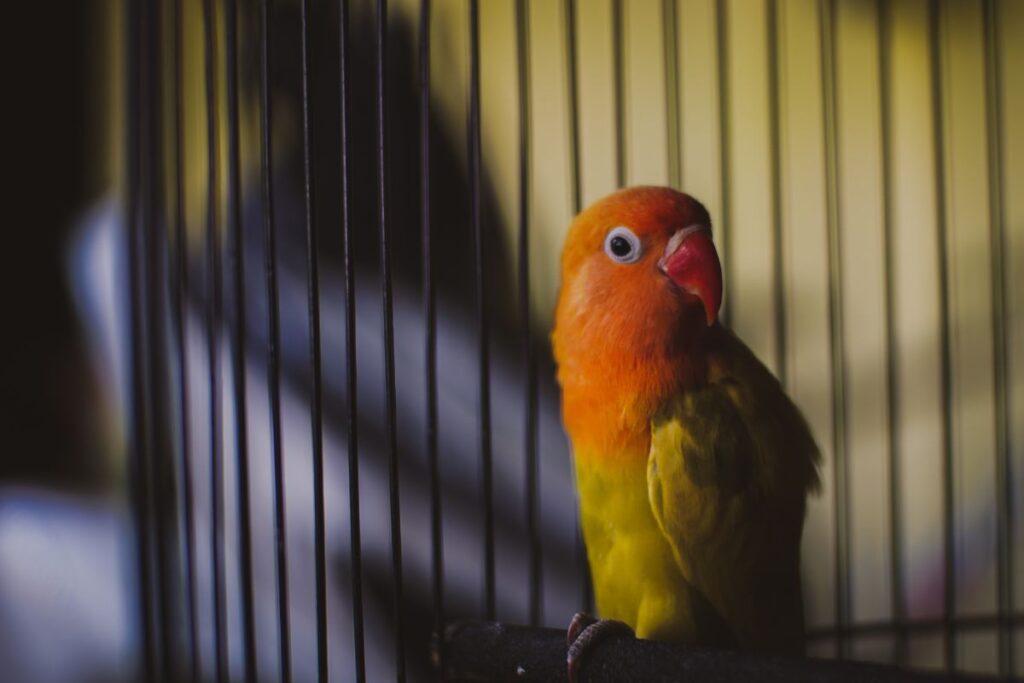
(584, 633)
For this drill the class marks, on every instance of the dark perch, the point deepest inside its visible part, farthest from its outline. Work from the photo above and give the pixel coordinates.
(491, 651)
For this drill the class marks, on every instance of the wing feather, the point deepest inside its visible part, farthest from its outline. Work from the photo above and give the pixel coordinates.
(729, 470)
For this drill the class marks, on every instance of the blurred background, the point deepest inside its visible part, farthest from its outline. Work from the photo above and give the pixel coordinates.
(863, 163)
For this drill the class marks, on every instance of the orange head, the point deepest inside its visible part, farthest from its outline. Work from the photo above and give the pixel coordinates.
(641, 286)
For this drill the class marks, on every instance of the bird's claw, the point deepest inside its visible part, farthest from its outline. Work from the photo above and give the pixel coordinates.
(580, 621)
(584, 633)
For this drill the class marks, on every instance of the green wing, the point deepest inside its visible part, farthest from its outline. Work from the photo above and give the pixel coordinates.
(729, 470)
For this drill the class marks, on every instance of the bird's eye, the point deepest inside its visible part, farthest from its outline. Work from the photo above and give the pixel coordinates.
(622, 245)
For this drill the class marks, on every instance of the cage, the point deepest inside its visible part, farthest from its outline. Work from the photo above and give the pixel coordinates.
(341, 224)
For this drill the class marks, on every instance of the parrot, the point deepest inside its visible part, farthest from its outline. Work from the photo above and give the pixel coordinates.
(692, 465)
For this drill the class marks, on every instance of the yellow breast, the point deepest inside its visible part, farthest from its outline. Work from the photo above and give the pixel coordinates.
(636, 579)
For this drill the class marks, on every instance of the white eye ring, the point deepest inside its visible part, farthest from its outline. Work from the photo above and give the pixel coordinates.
(622, 245)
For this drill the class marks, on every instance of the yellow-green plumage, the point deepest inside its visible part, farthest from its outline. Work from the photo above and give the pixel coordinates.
(699, 542)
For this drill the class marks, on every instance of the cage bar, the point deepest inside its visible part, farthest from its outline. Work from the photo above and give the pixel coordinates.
(213, 324)
(351, 376)
(179, 293)
(778, 256)
(724, 231)
(522, 25)
(138, 437)
(480, 255)
(898, 597)
(575, 182)
(430, 341)
(572, 92)
(389, 337)
(619, 85)
(942, 228)
(669, 18)
(273, 346)
(153, 237)
(316, 399)
(917, 626)
(838, 363)
(238, 346)
(1000, 313)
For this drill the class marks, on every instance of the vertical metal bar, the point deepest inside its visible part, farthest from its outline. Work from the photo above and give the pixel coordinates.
(838, 360)
(355, 528)
(273, 346)
(430, 313)
(898, 599)
(525, 313)
(179, 292)
(724, 236)
(481, 296)
(139, 462)
(1000, 333)
(316, 399)
(587, 590)
(778, 254)
(671, 43)
(618, 81)
(573, 94)
(152, 238)
(213, 323)
(238, 338)
(389, 338)
(942, 230)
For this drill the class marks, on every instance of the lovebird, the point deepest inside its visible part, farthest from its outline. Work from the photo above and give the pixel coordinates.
(692, 465)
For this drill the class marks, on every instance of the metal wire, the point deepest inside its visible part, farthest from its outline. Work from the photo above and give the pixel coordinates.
(1000, 334)
(179, 293)
(430, 341)
(724, 221)
(238, 344)
(778, 246)
(480, 256)
(669, 18)
(619, 85)
(389, 337)
(213, 323)
(348, 265)
(946, 376)
(572, 89)
(139, 463)
(525, 313)
(892, 395)
(916, 626)
(153, 244)
(316, 400)
(273, 346)
(835, 314)
(430, 313)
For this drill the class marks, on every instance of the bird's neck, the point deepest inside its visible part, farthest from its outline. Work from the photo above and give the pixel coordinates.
(610, 392)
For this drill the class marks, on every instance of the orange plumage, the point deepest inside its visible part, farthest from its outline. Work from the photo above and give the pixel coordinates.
(620, 332)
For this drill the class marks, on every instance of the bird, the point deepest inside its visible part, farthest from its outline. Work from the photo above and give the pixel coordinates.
(692, 465)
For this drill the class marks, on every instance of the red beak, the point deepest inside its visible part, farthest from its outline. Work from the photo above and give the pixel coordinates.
(691, 262)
